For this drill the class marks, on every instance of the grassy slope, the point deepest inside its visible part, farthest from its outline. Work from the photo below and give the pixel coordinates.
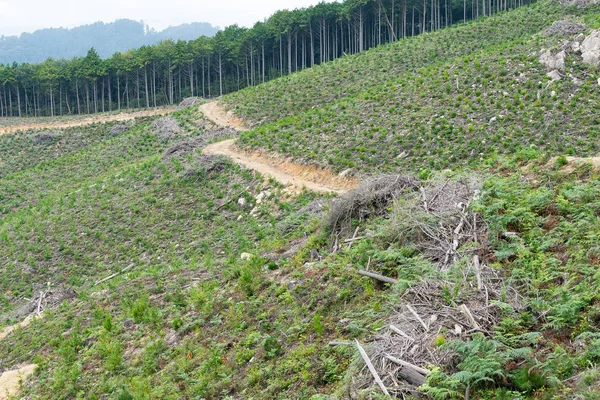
(193, 320)
(441, 100)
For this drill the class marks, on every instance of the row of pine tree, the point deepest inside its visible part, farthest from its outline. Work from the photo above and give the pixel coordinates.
(234, 58)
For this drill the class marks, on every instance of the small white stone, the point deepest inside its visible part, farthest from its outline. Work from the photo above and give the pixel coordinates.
(241, 202)
(246, 256)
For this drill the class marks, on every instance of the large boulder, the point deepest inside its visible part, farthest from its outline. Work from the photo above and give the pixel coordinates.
(590, 49)
(553, 61)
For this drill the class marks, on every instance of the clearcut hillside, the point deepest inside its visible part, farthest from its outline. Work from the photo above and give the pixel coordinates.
(439, 100)
(465, 265)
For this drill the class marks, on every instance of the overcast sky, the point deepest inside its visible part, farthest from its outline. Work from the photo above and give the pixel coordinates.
(17, 16)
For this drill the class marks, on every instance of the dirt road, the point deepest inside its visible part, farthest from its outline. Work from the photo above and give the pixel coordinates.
(219, 116)
(288, 173)
(54, 124)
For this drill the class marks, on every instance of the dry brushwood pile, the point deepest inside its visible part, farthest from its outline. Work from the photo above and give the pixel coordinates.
(370, 199)
(189, 102)
(564, 28)
(438, 219)
(166, 128)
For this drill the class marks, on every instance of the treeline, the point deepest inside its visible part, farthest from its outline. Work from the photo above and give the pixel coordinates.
(234, 58)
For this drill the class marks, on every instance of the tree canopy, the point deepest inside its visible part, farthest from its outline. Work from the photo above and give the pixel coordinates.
(236, 57)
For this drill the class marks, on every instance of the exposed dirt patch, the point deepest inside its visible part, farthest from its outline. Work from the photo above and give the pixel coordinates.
(10, 381)
(219, 116)
(9, 329)
(573, 162)
(54, 124)
(289, 173)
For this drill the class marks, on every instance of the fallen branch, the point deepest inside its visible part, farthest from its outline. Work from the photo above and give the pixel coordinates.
(465, 310)
(351, 241)
(417, 316)
(377, 276)
(354, 239)
(400, 332)
(114, 275)
(477, 271)
(333, 344)
(39, 306)
(403, 363)
(365, 357)
(422, 190)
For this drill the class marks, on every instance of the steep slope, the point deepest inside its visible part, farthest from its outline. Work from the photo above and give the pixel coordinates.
(438, 101)
(162, 273)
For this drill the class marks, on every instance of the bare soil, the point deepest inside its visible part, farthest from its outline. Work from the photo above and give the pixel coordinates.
(219, 116)
(10, 381)
(6, 331)
(51, 123)
(288, 173)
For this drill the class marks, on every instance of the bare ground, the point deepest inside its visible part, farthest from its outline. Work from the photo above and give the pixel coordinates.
(221, 117)
(21, 125)
(6, 331)
(10, 381)
(288, 173)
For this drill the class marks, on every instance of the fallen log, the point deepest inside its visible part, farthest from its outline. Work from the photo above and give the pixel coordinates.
(410, 372)
(377, 276)
(372, 369)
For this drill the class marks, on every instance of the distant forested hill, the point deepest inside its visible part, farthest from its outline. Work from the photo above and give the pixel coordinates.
(107, 39)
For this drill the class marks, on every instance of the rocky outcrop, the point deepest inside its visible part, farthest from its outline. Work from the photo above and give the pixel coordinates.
(590, 49)
(553, 61)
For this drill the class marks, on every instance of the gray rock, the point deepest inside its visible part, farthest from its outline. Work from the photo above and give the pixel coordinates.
(553, 61)
(590, 48)
(554, 75)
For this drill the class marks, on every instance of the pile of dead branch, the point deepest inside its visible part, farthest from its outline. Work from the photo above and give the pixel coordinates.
(401, 353)
(166, 128)
(203, 166)
(564, 28)
(119, 129)
(46, 138)
(189, 102)
(44, 298)
(437, 220)
(372, 198)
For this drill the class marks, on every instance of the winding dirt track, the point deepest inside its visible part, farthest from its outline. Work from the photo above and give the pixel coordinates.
(288, 173)
(53, 124)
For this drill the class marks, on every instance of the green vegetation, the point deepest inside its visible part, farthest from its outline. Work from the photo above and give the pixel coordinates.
(440, 100)
(165, 277)
(234, 58)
